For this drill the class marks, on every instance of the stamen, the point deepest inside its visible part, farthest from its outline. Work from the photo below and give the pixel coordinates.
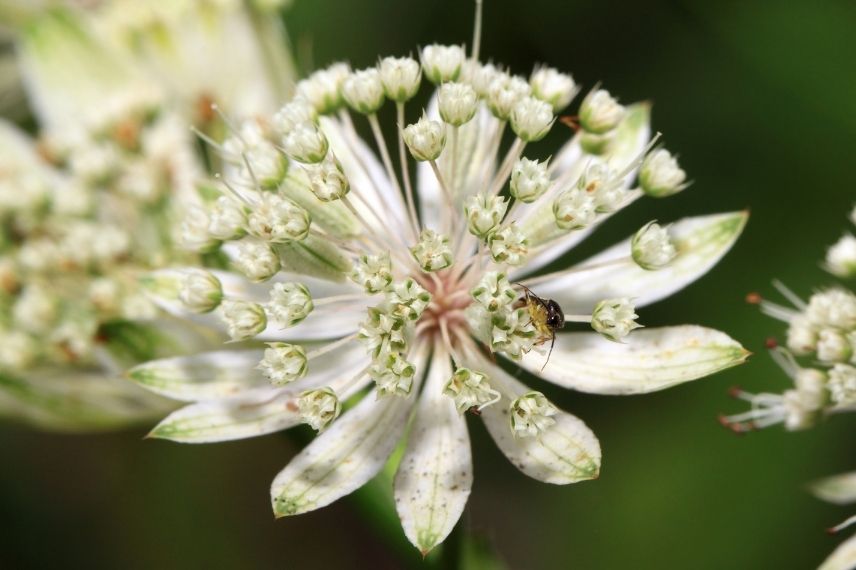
(789, 295)
(842, 526)
(779, 312)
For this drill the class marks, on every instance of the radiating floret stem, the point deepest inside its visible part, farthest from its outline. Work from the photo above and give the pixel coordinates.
(390, 171)
(405, 169)
(338, 299)
(329, 347)
(504, 171)
(477, 32)
(448, 223)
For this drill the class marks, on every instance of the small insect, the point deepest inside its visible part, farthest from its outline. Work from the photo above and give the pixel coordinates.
(546, 315)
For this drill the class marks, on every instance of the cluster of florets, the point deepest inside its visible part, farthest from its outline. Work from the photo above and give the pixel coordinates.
(82, 216)
(822, 332)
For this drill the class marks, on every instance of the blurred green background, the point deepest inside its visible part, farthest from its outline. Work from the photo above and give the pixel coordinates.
(759, 99)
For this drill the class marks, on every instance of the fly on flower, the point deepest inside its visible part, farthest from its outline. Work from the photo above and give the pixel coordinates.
(546, 316)
(380, 318)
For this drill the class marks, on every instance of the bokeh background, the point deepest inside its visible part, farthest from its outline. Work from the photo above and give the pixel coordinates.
(759, 99)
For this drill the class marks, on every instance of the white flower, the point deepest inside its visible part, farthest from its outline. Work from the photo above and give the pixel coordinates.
(531, 119)
(278, 220)
(363, 91)
(660, 175)
(244, 319)
(553, 87)
(323, 89)
(442, 63)
(227, 219)
(600, 112)
(484, 213)
(410, 304)
(306, 143)
(400, 77)
(283, 363)
(614, 318)
(201, 292)
(841, 257)
(652, 248)
(457, 103)
(327, 179)
(842, 384)
(256, 260)
(289, 304)
(529, 180)
(425, 139)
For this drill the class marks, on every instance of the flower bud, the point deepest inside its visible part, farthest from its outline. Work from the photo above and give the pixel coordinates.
(513, 333)
(319, 408)
(553, 87)
(484, 213)
(382, 332)
(323, 89)
(531, 414)
(660, 175)
(408, 299)
(802, 336)
(278, 220)
(508, 245)
(494, 292)
(504, 92)
(200, 291)
(841, 257)
(442, 63)
(289, 304)
(842, 385)
(283, 363)
(294, 113)
(227, 219)
(531, 119)
(433, 252)
(458, 103)
(529, 180)
(481, 76)
(833, 346)
(194, 234)
(603, 185)
(305, 143)
(470, 389)
(373, 272)
(327, 179)
(400, 77)
(392, 375)
(652, 248)
(574, 209)
(244, 319)
(256, 260)
(600, 112)
(614, 318)
(425, 139)
(363, 91)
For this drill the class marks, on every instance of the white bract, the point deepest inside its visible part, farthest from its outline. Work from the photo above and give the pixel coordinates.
(408, 293)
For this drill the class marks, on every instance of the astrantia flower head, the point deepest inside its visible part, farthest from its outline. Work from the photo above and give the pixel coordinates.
(412, 308)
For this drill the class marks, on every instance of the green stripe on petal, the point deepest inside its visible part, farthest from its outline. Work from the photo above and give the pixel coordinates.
(207, 376)
(700, 241)
(565, 452)
(435, 475)
(648, 360)
(209, 422)
(76, 401)
(314, 256)
(346, 455)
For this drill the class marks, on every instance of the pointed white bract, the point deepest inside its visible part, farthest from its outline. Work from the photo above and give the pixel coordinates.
(339, 244)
